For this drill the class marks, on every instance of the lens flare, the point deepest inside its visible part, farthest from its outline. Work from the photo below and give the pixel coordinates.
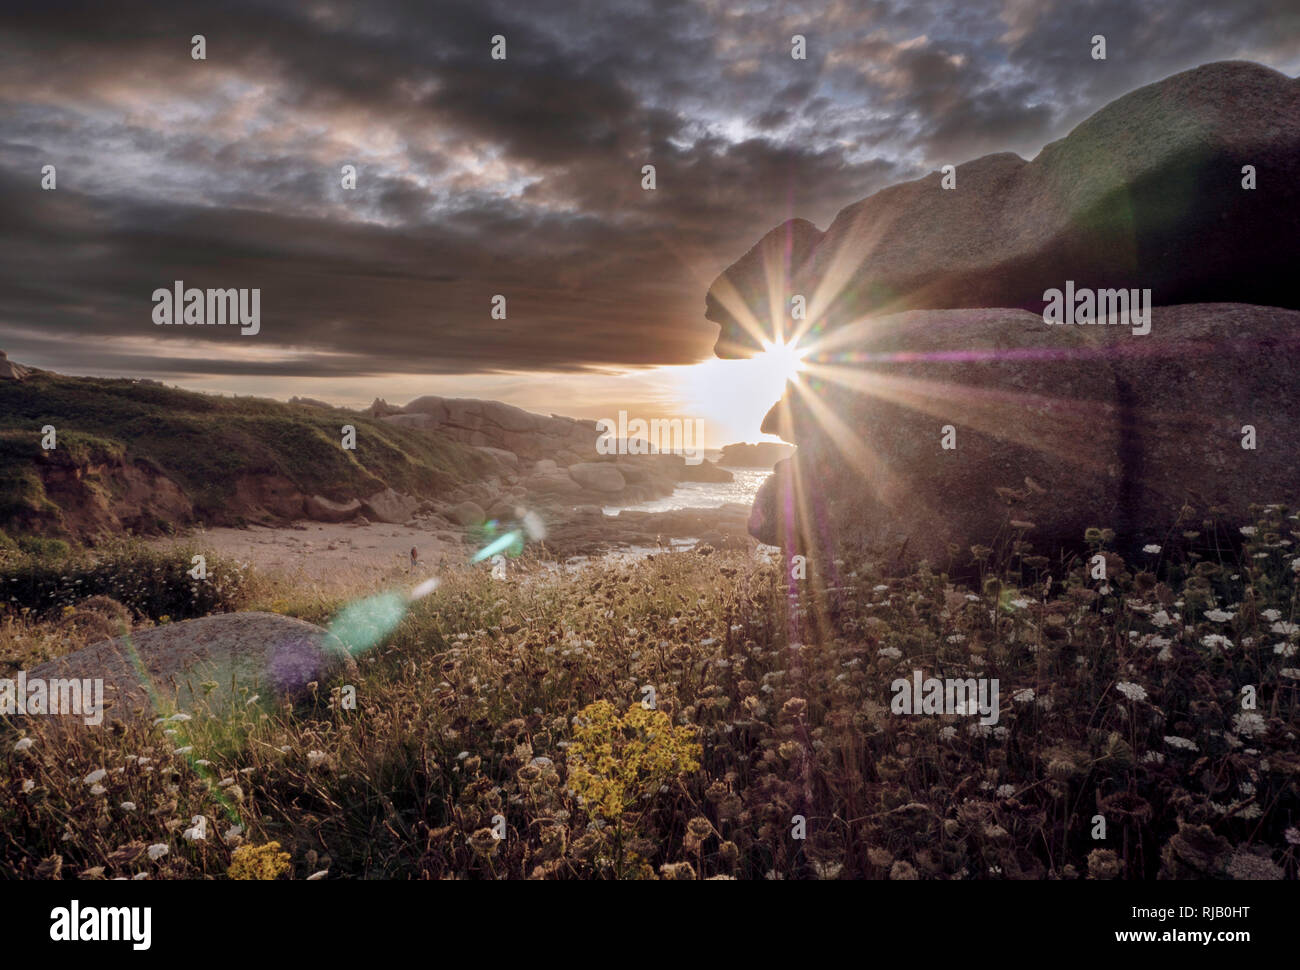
(365, 623)
(512, 540)
(424, 589)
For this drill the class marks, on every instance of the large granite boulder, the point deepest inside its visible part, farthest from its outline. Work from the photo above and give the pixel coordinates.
(1052, 430)
(390, 506)
(163, 669)
(468, 514)
(598, 476)
(1147, 193)
(556, 482)
(508, 460)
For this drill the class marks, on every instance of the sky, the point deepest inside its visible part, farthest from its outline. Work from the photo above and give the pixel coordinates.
(520, 177)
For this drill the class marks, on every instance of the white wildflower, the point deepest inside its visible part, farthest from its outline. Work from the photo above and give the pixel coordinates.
(1249, 723)
(1134, 692)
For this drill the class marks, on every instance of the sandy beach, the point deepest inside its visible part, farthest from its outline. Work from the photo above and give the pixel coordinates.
(327, 554)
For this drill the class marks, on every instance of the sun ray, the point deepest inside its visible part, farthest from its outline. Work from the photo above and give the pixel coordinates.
(1073, 430)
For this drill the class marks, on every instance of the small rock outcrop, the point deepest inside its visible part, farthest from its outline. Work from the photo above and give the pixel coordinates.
(764, 454)
(9, 371)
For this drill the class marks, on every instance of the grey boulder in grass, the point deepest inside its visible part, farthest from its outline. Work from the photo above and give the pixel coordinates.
(161, 670)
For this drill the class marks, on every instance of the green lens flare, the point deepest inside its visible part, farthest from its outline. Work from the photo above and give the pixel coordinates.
(363, 624)
(511, 540)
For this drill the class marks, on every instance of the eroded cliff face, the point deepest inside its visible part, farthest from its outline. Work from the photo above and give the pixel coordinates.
(1055, 428)
(99, 495)
(1050, 430)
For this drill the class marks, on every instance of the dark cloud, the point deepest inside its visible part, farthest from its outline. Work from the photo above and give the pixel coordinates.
(519, 177)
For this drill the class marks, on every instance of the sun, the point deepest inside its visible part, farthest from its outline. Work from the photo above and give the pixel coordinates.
(781, 360)
(733, 395)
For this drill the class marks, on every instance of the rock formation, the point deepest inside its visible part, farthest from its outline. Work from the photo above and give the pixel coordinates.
(1148, 193)
(1055, 428)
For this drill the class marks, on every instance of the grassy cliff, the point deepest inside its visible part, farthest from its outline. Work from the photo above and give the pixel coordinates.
(118, 435)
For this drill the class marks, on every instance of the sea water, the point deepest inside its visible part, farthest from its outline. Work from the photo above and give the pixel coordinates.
(704, 495)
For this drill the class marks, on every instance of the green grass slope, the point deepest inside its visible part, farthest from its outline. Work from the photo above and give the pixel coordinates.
(205, 443)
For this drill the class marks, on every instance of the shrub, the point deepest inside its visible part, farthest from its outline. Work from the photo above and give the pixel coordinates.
(152, 583)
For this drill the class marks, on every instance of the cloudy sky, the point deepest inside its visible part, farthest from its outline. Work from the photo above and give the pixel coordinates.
(519, 177)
